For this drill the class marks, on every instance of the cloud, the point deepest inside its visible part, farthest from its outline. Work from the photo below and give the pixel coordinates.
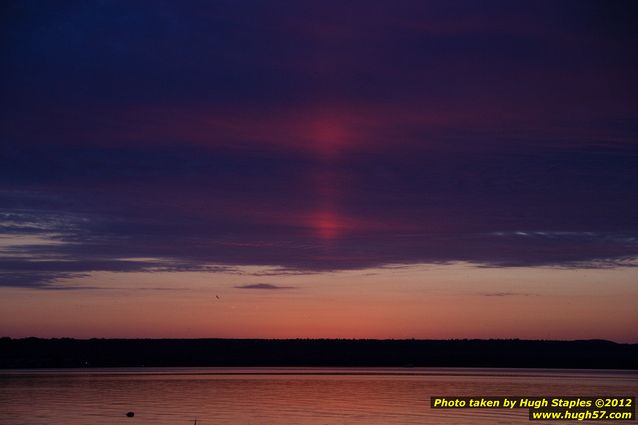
(189, 225)
(36, 279)
(330, 137)
(263, 286)
(505, 294)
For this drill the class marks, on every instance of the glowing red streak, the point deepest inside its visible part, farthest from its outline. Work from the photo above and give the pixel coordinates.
(328, 137)
(327, 224)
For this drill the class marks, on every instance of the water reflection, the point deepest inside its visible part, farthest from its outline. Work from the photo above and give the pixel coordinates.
(272, 396)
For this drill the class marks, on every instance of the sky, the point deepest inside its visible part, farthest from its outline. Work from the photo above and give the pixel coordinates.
(350, 169)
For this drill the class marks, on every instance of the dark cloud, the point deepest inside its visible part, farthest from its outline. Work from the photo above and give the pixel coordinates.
(262, 286)
(34, 279)
(505, 294)
(316, 136)
(502, 210)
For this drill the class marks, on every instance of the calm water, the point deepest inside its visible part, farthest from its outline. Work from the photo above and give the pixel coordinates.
(282, 396)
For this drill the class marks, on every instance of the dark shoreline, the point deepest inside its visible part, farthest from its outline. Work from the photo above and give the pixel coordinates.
(78, 353)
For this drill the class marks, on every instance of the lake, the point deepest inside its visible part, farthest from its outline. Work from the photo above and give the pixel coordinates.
(283, 395)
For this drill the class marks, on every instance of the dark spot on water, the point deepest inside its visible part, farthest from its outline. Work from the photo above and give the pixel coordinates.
(130, 414)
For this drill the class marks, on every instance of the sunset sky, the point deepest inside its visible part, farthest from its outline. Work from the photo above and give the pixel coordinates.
(381, 169)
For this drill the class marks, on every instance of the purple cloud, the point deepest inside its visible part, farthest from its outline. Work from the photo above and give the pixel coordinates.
(263, 286)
